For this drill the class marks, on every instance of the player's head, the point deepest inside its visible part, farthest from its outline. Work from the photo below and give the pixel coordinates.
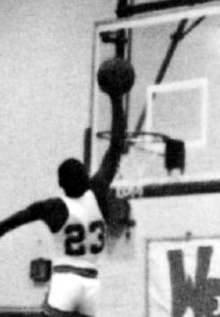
(73, 177)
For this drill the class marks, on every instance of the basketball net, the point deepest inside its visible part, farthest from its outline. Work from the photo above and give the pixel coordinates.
(144, 159)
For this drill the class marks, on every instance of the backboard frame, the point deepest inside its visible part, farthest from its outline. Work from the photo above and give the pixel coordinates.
(165, 186)
(124, 9)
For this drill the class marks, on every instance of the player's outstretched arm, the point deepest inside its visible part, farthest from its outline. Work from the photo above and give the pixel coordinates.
(18, 219)
(52, 212)
(115, 77)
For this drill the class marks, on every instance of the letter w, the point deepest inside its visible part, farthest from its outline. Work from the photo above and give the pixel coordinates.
(184, 293)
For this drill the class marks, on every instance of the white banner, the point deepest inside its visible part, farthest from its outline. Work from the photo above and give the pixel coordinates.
(184, 278)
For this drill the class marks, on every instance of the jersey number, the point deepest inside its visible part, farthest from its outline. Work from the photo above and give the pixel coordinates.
(76, 235)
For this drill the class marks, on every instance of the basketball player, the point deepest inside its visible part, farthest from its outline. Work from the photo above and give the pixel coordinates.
(77, 223)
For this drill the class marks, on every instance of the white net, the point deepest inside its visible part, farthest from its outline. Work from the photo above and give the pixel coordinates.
(143, 160)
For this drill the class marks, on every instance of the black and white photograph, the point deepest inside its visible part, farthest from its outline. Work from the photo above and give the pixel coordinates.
(110, 158)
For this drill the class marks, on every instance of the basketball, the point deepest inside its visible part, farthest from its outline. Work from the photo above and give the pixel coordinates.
(116, 76)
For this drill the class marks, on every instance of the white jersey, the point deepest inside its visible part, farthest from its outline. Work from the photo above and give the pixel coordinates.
(81, 239)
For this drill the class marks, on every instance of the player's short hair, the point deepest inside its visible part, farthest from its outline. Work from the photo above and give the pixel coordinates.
(73, 177)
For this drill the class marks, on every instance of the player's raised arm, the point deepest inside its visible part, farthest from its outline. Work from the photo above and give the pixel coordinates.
(115, 77)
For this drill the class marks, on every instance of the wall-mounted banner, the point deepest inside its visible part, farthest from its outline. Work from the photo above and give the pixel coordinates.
(184, 278)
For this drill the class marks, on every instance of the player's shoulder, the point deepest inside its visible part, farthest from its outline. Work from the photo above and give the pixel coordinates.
(46, 203)
(53, 211)
(54, 203)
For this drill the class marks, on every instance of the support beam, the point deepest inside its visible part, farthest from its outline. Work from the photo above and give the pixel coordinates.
(124, 10)
(168, 189)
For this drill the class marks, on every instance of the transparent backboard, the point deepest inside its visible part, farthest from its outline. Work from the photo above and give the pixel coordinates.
(176, 57)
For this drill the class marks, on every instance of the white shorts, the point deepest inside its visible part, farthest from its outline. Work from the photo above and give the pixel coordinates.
(70, 292)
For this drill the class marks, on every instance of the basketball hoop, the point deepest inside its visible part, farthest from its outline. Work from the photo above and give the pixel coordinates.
(148, 153)
(154, 142)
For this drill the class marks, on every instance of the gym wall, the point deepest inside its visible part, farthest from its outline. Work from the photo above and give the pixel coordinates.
(45, 62)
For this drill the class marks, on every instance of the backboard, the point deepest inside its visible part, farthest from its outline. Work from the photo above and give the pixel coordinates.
(176, 57)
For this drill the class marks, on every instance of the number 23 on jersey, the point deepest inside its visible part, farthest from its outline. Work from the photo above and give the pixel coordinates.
(80, 241)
